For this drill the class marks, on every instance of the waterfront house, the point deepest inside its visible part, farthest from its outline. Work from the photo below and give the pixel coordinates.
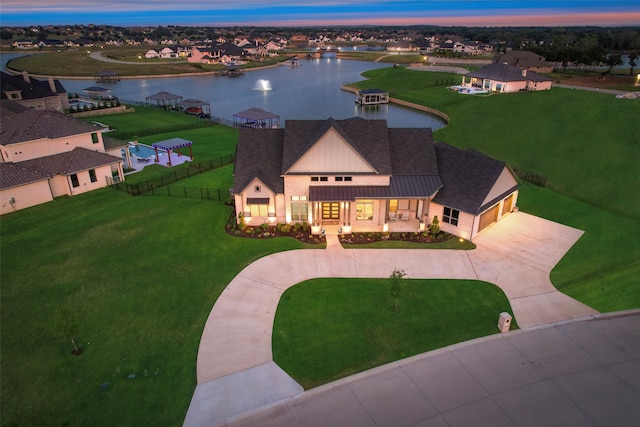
(525, 60)
(358, 175)
(46, 154)
(34, 93)
(504, 78)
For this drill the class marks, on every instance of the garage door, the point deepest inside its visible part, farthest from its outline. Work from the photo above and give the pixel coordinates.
(507, 205)
(488, 218)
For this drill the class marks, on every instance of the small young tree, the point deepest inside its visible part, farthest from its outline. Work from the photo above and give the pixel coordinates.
(435, 226)
(68, 327)
(396, 288)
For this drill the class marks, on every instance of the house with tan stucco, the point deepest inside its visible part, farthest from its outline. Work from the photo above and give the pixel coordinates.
(505, 78)
(46, 154)
(358, 175)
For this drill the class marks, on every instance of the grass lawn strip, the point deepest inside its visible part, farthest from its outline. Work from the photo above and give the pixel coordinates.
(141, 276)
(326, 329)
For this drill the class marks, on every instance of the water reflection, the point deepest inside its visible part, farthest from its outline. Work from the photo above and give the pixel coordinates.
(312, 91)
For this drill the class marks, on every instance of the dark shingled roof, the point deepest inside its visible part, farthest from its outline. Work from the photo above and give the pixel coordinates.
(31, 124)
(15, 174)
(77, 160)
(412, 151)
(163, 96)
(408, 155)
(255, 113)
(467, 177)
(259, 155)
(33, 89)
(9, 107)
(506, 73)
(369, 138)
(522, 59)
(111, 143)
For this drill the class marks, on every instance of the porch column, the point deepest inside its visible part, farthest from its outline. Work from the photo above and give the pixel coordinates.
(349, 214)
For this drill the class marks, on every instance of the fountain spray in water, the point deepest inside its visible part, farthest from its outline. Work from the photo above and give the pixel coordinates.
(263, 85)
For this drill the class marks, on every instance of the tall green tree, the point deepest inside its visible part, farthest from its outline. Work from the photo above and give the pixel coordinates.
(633, 61)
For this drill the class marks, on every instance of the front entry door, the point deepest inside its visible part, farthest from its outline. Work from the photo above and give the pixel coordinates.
(331, 211)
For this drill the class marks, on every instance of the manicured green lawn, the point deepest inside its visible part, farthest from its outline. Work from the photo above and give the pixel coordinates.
(326, 329)
(584, 143)
(141, 274)
(603, 267)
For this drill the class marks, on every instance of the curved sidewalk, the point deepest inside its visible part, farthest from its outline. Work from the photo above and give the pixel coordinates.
(516, 254)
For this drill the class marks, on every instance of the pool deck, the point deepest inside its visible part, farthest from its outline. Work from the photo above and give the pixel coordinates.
(176, 160)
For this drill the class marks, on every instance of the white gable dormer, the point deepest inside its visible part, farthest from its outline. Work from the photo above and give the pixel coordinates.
(331, 153)
(505, 182)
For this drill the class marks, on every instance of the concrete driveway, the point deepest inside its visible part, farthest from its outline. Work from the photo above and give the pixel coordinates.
(235, 368)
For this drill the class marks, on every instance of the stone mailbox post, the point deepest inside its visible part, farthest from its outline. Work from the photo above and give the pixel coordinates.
(504, 322)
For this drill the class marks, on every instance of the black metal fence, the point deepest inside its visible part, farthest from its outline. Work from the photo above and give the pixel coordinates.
(531, 178)
(176, 174)
(191, 192)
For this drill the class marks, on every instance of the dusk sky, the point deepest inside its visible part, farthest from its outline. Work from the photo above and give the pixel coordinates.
(321, 12)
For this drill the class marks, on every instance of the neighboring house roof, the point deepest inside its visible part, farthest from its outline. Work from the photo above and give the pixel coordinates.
(16, 174)
(506, 73)
(9, 107)
(32, 89)
(231, 49)
(522, 59)
(77, 160)
(467, 177)
(30, 124)
(111, 143)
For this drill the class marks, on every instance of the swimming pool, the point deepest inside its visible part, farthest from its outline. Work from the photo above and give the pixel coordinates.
(144, 151)
(77, 104)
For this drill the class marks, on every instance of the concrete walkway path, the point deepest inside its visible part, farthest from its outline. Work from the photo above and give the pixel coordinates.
(516, 254)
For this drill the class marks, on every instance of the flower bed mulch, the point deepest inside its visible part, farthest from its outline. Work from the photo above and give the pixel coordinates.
(423, 237)
(302, 232)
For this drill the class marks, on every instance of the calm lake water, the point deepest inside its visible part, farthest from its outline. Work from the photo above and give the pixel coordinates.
(310, 91)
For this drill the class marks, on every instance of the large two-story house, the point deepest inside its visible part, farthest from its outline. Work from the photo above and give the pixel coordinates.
(358, 175)
(34, 93)
(45, 154)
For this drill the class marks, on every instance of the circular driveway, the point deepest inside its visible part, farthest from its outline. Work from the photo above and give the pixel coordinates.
(235, 368)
